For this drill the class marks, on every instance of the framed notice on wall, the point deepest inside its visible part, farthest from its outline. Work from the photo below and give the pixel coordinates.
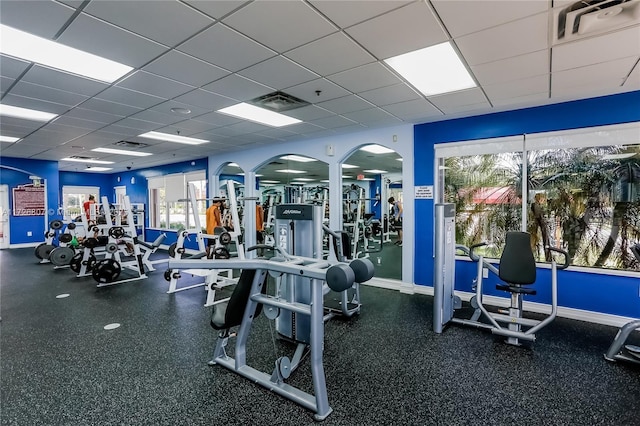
(28, 200)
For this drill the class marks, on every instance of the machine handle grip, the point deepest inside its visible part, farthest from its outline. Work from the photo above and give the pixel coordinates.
(565, 255)
(472, 255)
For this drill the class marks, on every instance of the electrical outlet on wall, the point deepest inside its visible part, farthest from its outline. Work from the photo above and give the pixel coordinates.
(485, 273)
(29, 234)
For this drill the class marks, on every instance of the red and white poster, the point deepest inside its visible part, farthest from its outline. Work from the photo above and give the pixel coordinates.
(28, 200)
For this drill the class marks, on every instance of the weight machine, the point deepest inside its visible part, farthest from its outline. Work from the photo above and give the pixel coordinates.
(247, 300)
(618, 351)
(517, 269)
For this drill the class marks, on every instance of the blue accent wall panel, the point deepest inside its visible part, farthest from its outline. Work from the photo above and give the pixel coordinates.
(597, 292)
(88, 179)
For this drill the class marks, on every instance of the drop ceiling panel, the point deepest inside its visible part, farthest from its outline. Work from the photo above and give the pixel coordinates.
(309, 112)
(598, 75)
(278, 72)
(633, 81)
(238, 87)
(42, 18)
(78, 122)
(597, 88)
(300, 22)
(366, 77)
(206, 100)
(333, 122)
(277, 133)
(5, 83)
(367, 116)
(243, 127)
(137, 126)
(512, 39)
(37, 104)
(517, 88)
(186, 69)
(51, 138)
(34, 91)
(466, 17)
(63, 81)
(220, 45)
(11, 67)
(412, 110)
(109, 107)
(187, 127)
(303, 128)
(517, 67)
(158, 20)
(217, 119)
(166, 107)
(307, 91)
(124, 96)
(20, 150)
(217, 9)
(346, 104)
(346, 13)
(142, 81)
(87, 114)
(103, 39)
(521, 101)
(18, 125)
(452, 102)
(330, 55)
(157, 117)
(390, 94)
(404, 30)
(594, 50)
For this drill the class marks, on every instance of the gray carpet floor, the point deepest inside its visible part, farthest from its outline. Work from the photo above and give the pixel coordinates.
(59, 366)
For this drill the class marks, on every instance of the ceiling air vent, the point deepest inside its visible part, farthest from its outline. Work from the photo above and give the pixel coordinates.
(129, 144)
(278, 102)
(587, 18)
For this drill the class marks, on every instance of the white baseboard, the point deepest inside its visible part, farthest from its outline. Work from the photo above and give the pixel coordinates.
(24, 245)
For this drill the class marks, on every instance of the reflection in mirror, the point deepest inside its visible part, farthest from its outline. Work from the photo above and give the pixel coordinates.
(372, 177)
(231, 209)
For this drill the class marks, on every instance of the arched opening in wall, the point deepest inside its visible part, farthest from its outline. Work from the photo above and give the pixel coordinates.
(291, 179)
(372, 207)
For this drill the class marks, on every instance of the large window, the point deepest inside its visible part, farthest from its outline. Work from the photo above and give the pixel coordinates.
(170, 207)
(578, 190)
(73, 198)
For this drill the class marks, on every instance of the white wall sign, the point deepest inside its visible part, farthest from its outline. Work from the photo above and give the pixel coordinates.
(424, 192)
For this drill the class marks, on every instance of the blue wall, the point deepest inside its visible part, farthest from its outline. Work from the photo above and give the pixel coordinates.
(577, 290)
(88, 179)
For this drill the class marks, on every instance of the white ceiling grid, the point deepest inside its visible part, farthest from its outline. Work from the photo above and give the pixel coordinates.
(206, 55)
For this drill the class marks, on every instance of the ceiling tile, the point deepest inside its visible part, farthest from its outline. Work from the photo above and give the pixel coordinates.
(586, 90)
(221, 45)
(109, 107)
(140, 126)
(129, 97)
(330, 55)
(21, 150)
(11, 67)
(303, 128)
(5, 83)
(31, 103)
(333, 122)
(145, 82)
(512, 39)
(515, 68)
(19, 125)
(300, 22)
(607, 47)
(87, 114)
(34, 91)
(278, 72)
(187, 127)
(157, 117)
(411, 110)
(206, 100)
(346, 104)
(167, 22)
(633, 81)
(63, 81)
(217, 9)
(452, 102)
(78, 122)
(370, 115)
(525, 100)
(607, 74)
(42, 18)
(106, 40)
(238, 87)
(390, 94)
(466, 17)
(166, 107)
(217, 119)
(517, 88)
(403, 30)
(309, 112)
(308, 91)
(185, 69)
(348, 12)
(243, 127)
(366, 77)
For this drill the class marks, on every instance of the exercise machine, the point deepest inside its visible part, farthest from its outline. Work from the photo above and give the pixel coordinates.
(517, 269)
(618, 351)
(249, 297)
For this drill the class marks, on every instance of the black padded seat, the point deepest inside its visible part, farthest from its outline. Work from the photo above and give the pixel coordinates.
(517, 264)
(229, 314)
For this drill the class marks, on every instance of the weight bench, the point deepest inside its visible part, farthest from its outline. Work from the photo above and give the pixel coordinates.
(618, 351)
(149, 249)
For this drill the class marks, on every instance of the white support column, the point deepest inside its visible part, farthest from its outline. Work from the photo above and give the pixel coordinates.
(335, 201)
(250, 211)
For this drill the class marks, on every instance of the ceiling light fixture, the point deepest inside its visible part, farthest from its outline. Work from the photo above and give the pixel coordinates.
(122, 152)
(99, 169)
(304, 179)
(349, 166)
(377, 149)
(298, 158)
(86, 160)
(290, 171)
(269, 181)
(172, 138)
(259, 115)
(8, 139)
(182, 111)
(27, 114)
(29, 47)
(376, 171)
(433, 70)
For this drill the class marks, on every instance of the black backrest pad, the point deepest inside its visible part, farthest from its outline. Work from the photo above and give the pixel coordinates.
(517, 265)
(238, 301)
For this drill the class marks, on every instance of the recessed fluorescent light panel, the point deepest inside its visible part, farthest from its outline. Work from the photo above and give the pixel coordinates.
(290, 171)
(98, 169)
(29, 47)
(122, 152)
(269, 181)
(304, 179)
(172, 138)
(8, 139)
(433, 70)
(242, 174)
(376, 171)
(27, 114)
(377, 149)
(298, 158)
(349, 166)
(259, 115)
(86, 160)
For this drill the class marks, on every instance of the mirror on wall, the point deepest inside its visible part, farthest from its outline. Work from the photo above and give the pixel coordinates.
(371, 175)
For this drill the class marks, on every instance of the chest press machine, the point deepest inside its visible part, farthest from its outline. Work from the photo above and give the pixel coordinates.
(247, 300)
